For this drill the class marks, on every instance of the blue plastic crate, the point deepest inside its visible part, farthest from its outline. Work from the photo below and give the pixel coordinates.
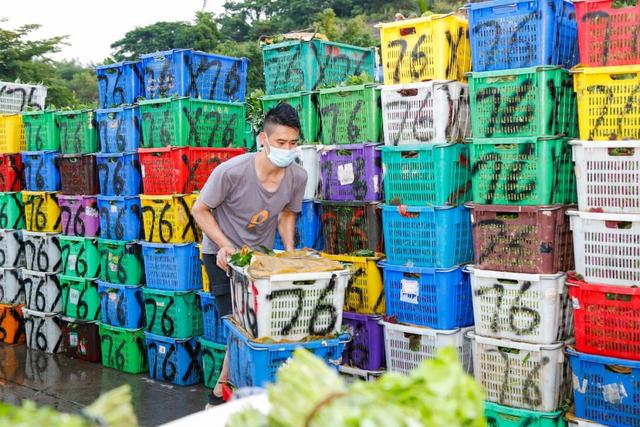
(119, 84)
(119, 129)
(174, 360)
(120, 217)
(436, 298)
(308, 228)
(122, 305)
(421, 236)
(119, 174)
(41, 171)
(508, 34)
(172, 267)
(606, 390)
(185, 72)
(214, 328)
(252, 364)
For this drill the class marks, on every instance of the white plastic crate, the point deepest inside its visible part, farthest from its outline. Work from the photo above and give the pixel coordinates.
(309, 159)
(531, 308)
(425, 113)
(11, 249)
(572, 421)
(17, 97)
(43, 291)
(607, 247)
(521, 375)
(289, 306)
(607, 175)
(11, 288)
(351, 374)
(406, 346)
(43, 331)
(42, 251)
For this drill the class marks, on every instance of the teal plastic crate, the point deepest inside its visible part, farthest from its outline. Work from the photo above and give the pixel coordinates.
(505, 416)
(306, 104)
(172, 314)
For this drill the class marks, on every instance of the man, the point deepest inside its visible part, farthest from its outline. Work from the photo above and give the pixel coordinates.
(246, 198)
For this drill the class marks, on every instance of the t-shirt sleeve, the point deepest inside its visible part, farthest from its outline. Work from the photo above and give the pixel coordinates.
(297, 195)
(216, 188)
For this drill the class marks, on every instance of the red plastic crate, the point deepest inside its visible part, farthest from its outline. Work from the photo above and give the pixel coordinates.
(607, 36)
(203, 160)
(606, 319)
(11, 172)
(165, 170)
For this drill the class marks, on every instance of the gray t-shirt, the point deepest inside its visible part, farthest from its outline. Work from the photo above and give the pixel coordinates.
(247, 213)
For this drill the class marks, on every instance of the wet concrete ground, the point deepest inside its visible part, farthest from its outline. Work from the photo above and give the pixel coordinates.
(68, 385)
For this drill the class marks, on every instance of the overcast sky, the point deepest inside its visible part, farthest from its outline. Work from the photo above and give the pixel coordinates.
(93, 25)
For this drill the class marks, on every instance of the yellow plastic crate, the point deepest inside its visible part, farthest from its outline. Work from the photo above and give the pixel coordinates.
(608, 102)
(41, 211)
(365, 291)
(11, 134)
(167, 219)
(435, 47)
(205, 277)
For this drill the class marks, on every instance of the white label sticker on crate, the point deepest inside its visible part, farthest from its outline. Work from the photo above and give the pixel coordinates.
(345, 174)
(73, 339)
(114, 208)
(162, 349)
(576, 303)
(113, 267)
(614, 393)
(142, 170)
(160, 303)
(74, 296)
(72, 262)
(376, 184)
(410, 291)
(113, 296)
(89, 211)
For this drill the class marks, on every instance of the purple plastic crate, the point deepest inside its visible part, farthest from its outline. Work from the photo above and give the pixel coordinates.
(79, 215)
(352, 173)
(366, 349)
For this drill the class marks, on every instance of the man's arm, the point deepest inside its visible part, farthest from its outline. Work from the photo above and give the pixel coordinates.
(287, 228)
(209, 226)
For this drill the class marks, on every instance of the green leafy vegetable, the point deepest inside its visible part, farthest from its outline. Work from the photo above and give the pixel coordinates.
(242, 258)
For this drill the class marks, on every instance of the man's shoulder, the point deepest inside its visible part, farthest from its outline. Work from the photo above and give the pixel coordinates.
(236, 166)
(298, 172)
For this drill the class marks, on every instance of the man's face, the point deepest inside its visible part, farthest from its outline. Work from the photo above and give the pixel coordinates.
(282, 137)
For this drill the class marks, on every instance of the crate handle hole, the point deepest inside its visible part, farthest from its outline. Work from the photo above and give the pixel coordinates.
(407, 31)
(618, 297)
(505, 146)
(408, 92)
(409, 155)
(110, 71)
(345, 153)
(303, 282)
(411, 275)
(502, 79)
(508, 281)
(621, 151)
(620, 225)
(507, 215)
(508, 350)
(623, 76)
(618, 369)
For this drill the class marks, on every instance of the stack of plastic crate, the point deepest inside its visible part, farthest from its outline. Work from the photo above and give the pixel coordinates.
(18, 97)
(427, 230)
(606, 227)
(523, 113)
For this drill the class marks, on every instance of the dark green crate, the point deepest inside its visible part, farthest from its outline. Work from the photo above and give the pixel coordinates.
(123, 349)
(78, 131)
(80, 298)
(174, 314)
(120, 262)
(41, 131)
(11, 211)
(306, 104)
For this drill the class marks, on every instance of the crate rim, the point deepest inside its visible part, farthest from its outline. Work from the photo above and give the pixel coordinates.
(164, 52)
(118, 242)
(77, 238)
(115, 199)
(212, 344)
(36, 193)
(422, 270)
(189, 99)
(71, 156)
(600, 288)
(345, 204)
(163, 245)
(602, 216)
(394, 208)
(293, 276)
(73, 112)
(118, 328)
(40, 233)
(423, 147)
(353, 258)
(420, 330)
(278, 96)
(74, 320)
(612, 69)
(517, 411)
(77, 279)
(603, 360)
(299, 42)
(33, 313)
(325, 149)
(418, 85)
(219, 149)
(162, 149)
(116, 109)
(36, 112)
(634, 143)
(107, 155)
(494, 3)
(77, 197)
(163, 196)
(351, 88)
(36, 273)
(516, 208)
(164, 292)
(162, 338)
(115, 64)
(495, 274)
(419, 20)
(31, 153)
(503, 342)
(350, 370)
(117, 285)
(358, 316)
(517, 140)
(515, 71)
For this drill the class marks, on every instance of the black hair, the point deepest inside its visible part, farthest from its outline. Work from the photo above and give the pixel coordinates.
(282, 114)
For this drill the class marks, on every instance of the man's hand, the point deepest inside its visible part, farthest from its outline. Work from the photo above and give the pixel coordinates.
(224, 253)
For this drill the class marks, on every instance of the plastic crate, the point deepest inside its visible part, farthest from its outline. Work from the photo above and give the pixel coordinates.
(18, 97)
(534, 102)
(78, 131)
(521, 307)
(80, 256)
(351, 172)
(306, 105)
(607, 35)
(435, 175)
(120, 262)
(11, 249)
(437, 237)
(302, 66)
(119, 174)
(253, 364)
(12, 176)
(289, 306)
(120, 217)
(433, 112)
(309, 160)
(11, 134)
(168, 219)
(121, 305)
(172, 267)
(43, 331)
(522, 171)
(435, 298)
(78, 174)
(11, 211)
(348, 227)
(119, 129)
(203, 161)
(165, 170)
(606, 389)
(366, 348)
(12, 324)
(43, 291)
(185, 72)
(606, 247)
(206, 285)
(174, 314)
(608, 176)
(79, 215)
(11, 286)
(507, 34)
(81, 340)
(119, 84)
(212, 359)
(80, 298)
(214, 328)
(522, 239)
(607, 109)
(572, 421)
(41, 131)
(350, 114)
(123, 349)
(42, 251)
(41, 211)
(505, 416)
(434, 47)
(174, 360)
(407, 346)
(308, 232)
(351, 374)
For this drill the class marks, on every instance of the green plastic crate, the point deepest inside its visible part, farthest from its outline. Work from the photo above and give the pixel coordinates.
(536, 101)
(306, 104)
(304, 66)
(427, 175)
(123, 349)
(78, 131)
(120, 262)
(80, 298)
(505, 416)
(11, 211)
(80, 256)
(350, 114)
(173, 314)
(192, 122)
(41, 131)
(522, 171)
(212, 359)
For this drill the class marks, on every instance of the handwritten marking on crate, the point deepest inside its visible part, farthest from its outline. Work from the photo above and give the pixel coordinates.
(358, 350)
(595, 19)
(7, 241)
(358, 184)
(73, 145)
(119, 229)
(169, 370)
(116, 177)
(516, 310)
(515, 242)
(353, 130)
(16, 170)
(603, 119)
(79, 265)
(348, 229)
(165, 227)
(26, 99)
(116, 358)
(110, 297)
(5, 314)
(39, 260)
(14, 276)
(118, 90)
(207, 353)
(35, 295)
(76, 218)
(167, 323)
(40, 182)
(354, 296)
(37, 338)
(82, 305)
(38, 217)
(121, 141)
(530, 390)
(106, 261)
(5, 221)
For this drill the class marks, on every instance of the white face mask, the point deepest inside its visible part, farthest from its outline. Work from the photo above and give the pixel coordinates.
(281, 157)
